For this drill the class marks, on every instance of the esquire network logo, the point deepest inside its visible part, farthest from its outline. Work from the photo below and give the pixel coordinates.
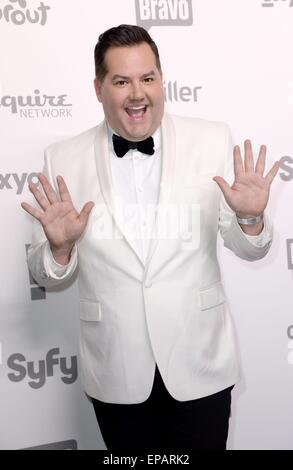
(17, 12)
(37, 105)
(272, 3)
(37, 372)
(163, 13)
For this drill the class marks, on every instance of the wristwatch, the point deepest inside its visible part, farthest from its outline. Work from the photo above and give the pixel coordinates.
(250, 220)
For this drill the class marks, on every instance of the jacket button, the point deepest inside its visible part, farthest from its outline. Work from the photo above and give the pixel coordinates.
(148, 284)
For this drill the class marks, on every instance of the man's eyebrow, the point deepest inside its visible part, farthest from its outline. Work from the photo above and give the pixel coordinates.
(123, 77)
(151, 73)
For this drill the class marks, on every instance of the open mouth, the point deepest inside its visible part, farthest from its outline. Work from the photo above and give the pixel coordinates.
(136, 112)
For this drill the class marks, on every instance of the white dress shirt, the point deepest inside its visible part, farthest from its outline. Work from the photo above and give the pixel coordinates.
(136, 182)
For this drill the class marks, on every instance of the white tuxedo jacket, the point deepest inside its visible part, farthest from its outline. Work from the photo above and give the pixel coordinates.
(170, 310)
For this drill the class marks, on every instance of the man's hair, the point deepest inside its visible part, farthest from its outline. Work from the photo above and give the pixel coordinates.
(121, 36)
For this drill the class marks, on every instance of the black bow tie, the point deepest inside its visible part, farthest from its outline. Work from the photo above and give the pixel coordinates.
(121, 145)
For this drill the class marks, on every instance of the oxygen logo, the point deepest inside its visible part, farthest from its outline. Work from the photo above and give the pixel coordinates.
(16, 12)
(290, 344)
(272, 3)
(37, 372)
(17, 182)
(163, 13)
(37, 105)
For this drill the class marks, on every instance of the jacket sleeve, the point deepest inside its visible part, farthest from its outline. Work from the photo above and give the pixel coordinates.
(44, 269)
(247, 247)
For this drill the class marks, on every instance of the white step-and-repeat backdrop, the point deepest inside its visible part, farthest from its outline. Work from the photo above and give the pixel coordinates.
(228, 60)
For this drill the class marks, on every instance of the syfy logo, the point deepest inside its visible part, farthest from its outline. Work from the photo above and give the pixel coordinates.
(17, 182)
(163, 13)
(62, 445)
(290, 344)
(20, 14)
(271, 3)
(286, 163)
(37, 372)
(37, 105)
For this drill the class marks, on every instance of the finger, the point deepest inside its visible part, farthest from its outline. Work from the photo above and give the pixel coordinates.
(223, 185)
(63, 190)
(32, 210)
(85, 212)
(238, 165)
(39, 196)
(248, 157)
(272, 173)
(261, 161)
(49, 191)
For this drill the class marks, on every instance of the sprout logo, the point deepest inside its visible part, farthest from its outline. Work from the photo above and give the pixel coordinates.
(20, 14)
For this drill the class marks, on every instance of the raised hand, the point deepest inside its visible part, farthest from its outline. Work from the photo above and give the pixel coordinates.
(249, 194)
(62, 224)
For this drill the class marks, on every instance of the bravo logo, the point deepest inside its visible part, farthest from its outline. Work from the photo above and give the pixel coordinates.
(163, 13)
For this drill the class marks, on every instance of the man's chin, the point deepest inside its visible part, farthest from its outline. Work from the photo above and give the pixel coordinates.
(137, 136)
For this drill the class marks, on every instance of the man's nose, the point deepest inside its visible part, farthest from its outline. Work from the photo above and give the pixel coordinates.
(137, 92)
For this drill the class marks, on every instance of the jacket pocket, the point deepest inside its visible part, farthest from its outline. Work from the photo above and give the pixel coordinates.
(212, 297)
(90, 311)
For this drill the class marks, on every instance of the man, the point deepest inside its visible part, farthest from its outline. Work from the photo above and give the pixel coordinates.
(157, 344)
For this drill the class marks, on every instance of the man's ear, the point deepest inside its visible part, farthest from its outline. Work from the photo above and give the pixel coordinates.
(98, 86)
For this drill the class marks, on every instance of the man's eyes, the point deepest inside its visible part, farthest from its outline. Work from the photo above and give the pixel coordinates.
(122, 83)
(149, 79)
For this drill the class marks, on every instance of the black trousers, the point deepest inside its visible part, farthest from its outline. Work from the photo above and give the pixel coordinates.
(163, 423)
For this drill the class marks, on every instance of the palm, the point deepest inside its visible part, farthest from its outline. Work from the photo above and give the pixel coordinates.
(249, 194)
(62, 224)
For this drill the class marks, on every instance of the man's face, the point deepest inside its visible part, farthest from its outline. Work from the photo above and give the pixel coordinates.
(132, 92)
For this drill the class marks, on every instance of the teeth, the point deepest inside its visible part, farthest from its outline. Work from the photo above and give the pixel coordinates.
(136, 108)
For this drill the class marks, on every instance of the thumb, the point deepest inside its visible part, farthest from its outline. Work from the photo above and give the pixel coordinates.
(223, 185)
(85, 212)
